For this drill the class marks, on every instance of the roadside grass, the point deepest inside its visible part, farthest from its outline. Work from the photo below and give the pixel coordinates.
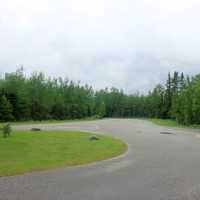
(29, 122)
(172, 123)
(27, 151)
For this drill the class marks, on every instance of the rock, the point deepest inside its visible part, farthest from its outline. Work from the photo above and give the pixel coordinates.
(93, 137)
(167, 133)
(35, 129)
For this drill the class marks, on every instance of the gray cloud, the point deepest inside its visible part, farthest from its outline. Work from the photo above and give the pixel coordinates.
(130, 44)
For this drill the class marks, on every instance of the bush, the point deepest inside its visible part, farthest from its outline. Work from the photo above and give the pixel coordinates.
(6, 130)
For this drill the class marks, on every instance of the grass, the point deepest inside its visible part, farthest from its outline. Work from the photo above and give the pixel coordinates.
(48, 121)
(27, 151)
(172, 123)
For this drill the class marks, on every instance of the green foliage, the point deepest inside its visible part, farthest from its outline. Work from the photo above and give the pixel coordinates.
(6, 130)
(5, 109)
(187, 103)
(40, 98)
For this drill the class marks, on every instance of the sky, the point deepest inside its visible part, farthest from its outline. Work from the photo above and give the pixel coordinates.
(128, 44)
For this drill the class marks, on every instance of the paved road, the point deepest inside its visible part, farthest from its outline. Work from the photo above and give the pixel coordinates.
(156, 167)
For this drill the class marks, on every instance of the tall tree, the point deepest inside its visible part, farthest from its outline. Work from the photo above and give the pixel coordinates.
(5, 109)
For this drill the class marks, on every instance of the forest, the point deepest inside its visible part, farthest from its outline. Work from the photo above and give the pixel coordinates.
(37, 97)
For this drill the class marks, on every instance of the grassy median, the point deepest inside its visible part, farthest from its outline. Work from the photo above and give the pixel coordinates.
(27, 151)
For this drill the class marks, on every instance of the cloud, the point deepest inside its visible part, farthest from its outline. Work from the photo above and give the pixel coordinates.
(130, 44)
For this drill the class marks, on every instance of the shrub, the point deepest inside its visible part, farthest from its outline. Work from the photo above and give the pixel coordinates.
(6, 130)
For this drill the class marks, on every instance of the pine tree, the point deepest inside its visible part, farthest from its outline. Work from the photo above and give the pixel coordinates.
(168, 97)
(5, 109)
(182, 83)
(101, 110)
(175, 84)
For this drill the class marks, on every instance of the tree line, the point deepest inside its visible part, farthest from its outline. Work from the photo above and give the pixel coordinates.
(39, 98)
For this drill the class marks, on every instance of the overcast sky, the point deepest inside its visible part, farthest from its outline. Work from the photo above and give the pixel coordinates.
(129, 44)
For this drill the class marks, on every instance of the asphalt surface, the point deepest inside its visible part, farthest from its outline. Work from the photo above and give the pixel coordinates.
(155, 167)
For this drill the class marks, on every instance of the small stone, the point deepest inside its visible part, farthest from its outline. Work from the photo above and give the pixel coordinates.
(35, 129)
(93, 137)
(167, 133)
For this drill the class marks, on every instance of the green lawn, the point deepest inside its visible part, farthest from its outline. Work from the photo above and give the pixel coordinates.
(172, 123)
(27, 151)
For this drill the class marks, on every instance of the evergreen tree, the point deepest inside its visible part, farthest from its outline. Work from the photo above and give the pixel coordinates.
(5, 109)
(37, 97)
(101, 109)
(175, 84)
(168, 97)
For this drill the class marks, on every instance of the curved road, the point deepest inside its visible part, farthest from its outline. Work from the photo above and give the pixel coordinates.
(156, 167)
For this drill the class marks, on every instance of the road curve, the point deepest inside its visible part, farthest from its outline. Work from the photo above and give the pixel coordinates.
(156, 167)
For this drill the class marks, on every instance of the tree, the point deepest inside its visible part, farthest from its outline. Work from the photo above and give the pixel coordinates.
(5, 109)
(156, 102)
(168, 97)
(39, 97)
(175, 84)
(101, 109)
